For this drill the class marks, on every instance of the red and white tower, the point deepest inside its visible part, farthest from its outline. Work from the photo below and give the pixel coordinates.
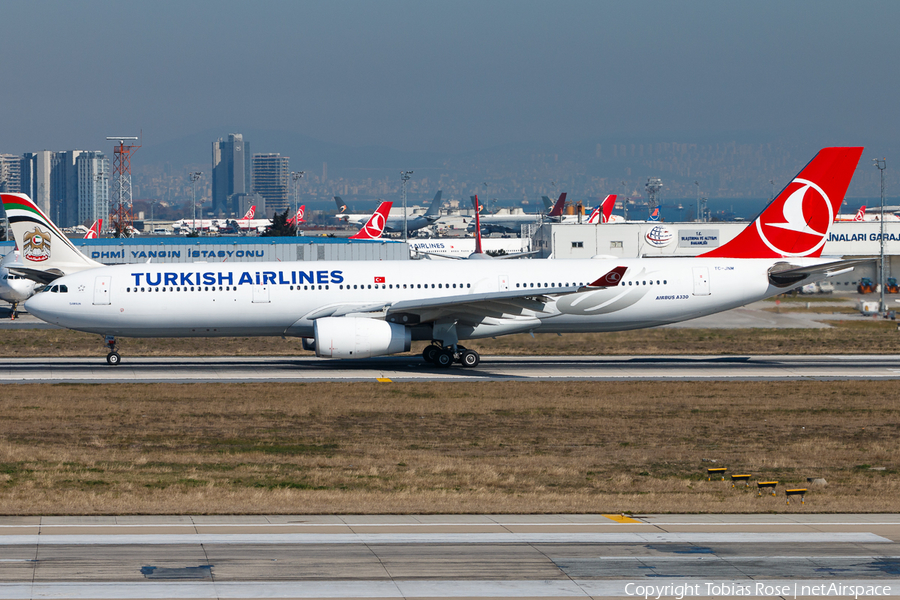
(120, 203)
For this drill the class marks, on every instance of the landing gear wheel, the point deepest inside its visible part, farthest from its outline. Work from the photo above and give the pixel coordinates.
(113, 358)
(444, 358)
(430, 353)
(469, 359)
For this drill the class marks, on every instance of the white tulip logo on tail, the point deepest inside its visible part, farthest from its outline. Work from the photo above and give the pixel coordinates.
(374, 227)
(799, 234)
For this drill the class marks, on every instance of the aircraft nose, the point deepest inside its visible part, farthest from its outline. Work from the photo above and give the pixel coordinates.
(38, 305)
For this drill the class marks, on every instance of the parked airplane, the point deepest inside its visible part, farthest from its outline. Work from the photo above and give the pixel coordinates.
(14, 288)
(248, 223)
(513, 223)
(374, 227)
(359, 309)
(859, 216)
(394, 222)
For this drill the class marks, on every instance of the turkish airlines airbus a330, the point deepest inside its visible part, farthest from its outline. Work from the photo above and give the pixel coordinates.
(362, 309)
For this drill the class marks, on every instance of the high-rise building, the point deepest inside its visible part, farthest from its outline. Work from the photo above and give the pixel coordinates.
(35, 171)
(231, 172)
(10, 173)
(271, 174)
(49, 178)
(93, 186)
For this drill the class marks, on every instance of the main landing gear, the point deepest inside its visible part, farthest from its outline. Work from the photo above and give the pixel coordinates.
(444, 356)
(113, 357)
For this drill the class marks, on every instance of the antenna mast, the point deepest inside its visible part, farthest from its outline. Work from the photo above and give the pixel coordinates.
(120, 212)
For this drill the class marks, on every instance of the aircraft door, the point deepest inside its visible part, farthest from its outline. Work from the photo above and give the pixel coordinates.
(503, 283)
(701, 281)
(260, 293)
(101, 290)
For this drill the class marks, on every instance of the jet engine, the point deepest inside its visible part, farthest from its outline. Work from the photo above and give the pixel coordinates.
(353, 337)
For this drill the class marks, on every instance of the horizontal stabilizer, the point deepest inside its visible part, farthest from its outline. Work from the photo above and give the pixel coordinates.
(37, 275)
(785, 274)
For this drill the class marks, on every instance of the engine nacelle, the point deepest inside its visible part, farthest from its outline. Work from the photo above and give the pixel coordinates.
(351, 337)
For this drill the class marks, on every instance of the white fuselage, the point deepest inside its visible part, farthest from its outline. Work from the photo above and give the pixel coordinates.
(278, 298)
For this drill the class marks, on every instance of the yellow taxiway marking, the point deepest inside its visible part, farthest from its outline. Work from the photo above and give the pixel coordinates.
(622, 519)
(383, 380)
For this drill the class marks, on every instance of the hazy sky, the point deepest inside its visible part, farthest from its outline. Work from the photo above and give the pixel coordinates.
(449, 75)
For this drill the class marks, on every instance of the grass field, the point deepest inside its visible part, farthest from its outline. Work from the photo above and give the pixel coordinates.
(431, 448)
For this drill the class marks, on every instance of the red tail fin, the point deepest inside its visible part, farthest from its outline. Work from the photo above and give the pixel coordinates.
(860, 214)
(250, 213)
(374, 227)
(796, 222)
(300, 212)
(557, 209)
(477, 227)
(94, 232)
(607, 207)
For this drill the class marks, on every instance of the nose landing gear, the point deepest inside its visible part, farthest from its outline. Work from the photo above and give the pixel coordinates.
(113, 357)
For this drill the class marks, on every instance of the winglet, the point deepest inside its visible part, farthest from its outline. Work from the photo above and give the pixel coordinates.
(611, 279)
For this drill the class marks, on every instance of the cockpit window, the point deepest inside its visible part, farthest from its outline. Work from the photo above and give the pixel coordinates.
(63, 289)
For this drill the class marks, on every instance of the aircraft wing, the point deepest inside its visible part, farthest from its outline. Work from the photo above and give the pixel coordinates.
(508, 304)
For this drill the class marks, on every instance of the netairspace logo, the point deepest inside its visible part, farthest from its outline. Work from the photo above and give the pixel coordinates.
(758, 589)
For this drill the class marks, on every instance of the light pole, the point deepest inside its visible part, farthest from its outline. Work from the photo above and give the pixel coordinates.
(297, 176)
(404, 177)
(625, 199)
(881, 165)
(699, 218)
(772, 183)
(195, 175)
(152, 230)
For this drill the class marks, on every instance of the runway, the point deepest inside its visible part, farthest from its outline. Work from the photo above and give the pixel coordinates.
(447, 556)
(410, 368)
